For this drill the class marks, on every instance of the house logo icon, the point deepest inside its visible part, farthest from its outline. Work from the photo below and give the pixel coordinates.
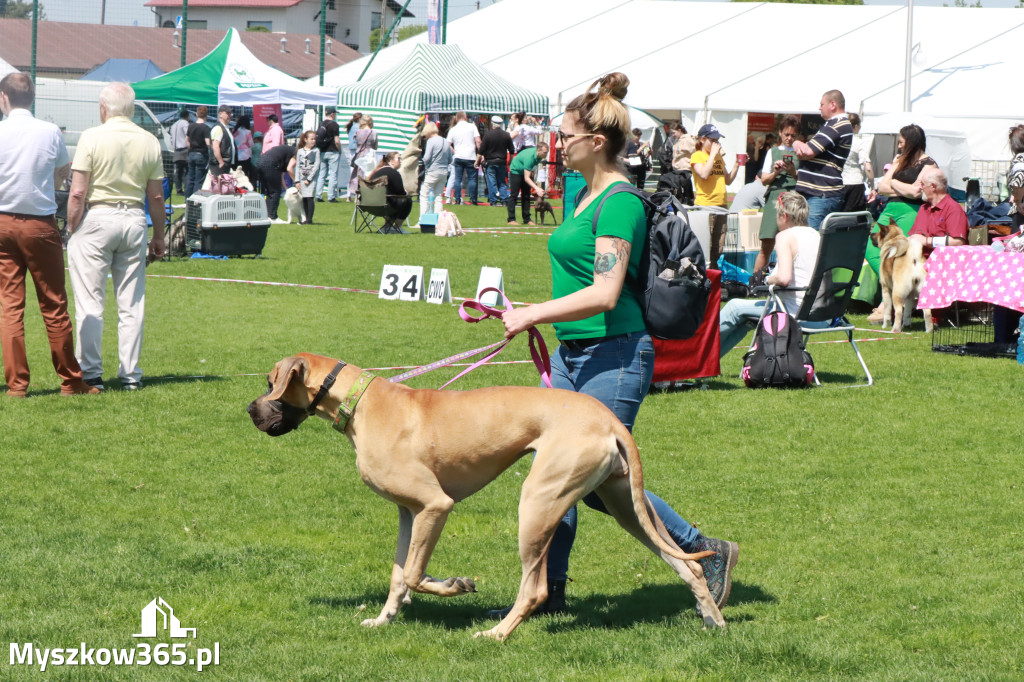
(150, 620)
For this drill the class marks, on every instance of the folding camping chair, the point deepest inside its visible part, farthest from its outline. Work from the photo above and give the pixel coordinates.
(372, 203)
(844, 237)
(168, 210)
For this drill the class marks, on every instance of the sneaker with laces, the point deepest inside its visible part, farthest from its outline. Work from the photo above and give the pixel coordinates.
(95, 382)
(718, 567)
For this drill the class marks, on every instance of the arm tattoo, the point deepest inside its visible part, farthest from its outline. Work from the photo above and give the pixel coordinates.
(604, 263)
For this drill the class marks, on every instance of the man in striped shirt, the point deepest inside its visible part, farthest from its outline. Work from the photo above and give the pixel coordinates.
(820, 176)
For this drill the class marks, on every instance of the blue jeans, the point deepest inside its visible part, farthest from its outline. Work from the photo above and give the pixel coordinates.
(196, 173)
(328, 171)
(618, 373)
(469, 167)
(497, 187)
(739, 316)
(819, 207)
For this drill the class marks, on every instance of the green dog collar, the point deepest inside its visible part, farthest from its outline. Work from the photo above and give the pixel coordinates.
(348, 405)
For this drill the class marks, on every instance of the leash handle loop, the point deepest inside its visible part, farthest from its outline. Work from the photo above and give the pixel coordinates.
(538, 349)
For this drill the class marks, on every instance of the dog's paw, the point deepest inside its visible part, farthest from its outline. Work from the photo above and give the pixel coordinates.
(461, 584)
(493, 633)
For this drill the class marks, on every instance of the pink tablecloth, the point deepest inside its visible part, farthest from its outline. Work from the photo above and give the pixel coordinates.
(972, 274)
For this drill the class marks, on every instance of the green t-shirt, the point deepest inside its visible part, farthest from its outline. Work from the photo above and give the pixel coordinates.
(525, 160)
(572, 251)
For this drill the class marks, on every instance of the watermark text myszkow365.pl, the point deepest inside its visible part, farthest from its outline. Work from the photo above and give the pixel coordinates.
(156, 615)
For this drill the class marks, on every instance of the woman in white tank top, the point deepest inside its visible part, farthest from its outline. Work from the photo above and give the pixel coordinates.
(797, 249)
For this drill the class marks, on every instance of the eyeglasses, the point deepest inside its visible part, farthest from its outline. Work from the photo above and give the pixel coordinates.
(562, 137)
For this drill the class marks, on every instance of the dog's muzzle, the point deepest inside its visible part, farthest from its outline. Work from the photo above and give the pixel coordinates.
(274, 417)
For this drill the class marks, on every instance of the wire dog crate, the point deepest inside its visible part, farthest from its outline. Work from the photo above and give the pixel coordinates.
(968, 329)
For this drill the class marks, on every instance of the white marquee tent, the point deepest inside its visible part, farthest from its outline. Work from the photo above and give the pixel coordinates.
(5, 68)
(697, 61)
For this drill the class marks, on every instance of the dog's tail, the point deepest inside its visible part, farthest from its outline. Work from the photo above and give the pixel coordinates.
(628, 450)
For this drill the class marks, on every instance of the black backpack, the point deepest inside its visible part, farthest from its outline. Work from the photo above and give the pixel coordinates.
(778, 358)
(323, 142)
(673, 296)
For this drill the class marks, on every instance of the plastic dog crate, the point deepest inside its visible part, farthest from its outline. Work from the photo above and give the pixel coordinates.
(968, 329)
(226, 224)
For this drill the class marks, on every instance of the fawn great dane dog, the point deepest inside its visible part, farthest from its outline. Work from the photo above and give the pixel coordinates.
(425, 450)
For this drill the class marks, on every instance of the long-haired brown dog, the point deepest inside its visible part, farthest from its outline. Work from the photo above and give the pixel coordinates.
(901, 273)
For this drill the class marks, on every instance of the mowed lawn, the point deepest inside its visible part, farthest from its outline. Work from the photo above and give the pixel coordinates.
(880, 528)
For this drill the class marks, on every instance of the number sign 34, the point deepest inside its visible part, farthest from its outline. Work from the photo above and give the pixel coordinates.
(402, 282)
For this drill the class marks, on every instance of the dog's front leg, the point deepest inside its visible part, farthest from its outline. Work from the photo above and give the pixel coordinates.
(427, 525)
(399, 593)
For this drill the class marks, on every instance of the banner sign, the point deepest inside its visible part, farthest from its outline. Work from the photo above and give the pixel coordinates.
(434, 21)
(259, 116)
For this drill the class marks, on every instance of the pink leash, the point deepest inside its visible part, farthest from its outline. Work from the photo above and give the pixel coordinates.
(538, 349)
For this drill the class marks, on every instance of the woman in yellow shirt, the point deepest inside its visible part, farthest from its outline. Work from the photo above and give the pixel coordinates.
(710, 180)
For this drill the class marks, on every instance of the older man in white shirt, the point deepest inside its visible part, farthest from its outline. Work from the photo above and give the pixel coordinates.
(33, 162)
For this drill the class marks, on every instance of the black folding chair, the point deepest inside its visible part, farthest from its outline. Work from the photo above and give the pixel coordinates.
(844, 236)
(371, 204)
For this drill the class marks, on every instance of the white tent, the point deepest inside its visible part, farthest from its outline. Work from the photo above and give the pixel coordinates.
(5, 68)
(717, 61)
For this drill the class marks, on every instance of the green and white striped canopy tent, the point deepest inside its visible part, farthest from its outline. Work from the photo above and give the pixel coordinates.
(432, 79)
(232, 75)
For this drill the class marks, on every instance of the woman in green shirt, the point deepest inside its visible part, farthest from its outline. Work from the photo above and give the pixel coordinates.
(605, 350)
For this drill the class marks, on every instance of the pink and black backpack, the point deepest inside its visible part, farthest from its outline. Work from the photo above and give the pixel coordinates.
(778, 358)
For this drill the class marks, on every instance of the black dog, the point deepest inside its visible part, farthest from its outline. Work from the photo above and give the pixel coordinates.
(543, 207)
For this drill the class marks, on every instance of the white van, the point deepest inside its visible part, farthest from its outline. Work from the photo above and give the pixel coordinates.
(74, 106)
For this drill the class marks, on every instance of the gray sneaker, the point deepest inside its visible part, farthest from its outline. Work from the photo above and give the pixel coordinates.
(718, 568)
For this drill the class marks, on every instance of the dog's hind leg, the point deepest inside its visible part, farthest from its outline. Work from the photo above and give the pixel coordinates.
(399, 593)
(899, 308)
(548, 493)
(615, 493)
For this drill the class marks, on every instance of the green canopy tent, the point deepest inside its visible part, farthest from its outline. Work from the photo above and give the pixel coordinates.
(232, 75)
(432, 79)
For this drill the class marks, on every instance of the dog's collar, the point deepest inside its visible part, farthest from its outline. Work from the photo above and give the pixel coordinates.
(325, 387)
(348, 405)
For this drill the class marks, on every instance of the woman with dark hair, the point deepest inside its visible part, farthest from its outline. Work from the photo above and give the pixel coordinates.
(605, 350)
(243, 147)
(901, 185)
(778, 175)
(638, 157)
(1015, 177)
(398, 199)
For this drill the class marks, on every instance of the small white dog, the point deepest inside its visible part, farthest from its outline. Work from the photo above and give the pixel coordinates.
(293, 200)
(241, 180)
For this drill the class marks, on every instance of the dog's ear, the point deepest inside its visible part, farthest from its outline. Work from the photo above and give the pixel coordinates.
(284, 373)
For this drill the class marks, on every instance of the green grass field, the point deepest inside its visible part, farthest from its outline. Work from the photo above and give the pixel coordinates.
(880, 528)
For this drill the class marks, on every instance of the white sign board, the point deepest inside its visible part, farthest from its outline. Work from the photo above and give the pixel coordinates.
(440, 288)
(401, 283)
(490, 277)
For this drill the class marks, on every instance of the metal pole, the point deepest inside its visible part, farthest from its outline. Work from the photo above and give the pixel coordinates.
(323, 36)
(444, 22)
(35, 30)
(908, 59)
(103, 12)
(380, 44)
(184, 30)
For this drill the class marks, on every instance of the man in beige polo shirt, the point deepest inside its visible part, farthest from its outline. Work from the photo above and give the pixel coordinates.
(117, 165)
